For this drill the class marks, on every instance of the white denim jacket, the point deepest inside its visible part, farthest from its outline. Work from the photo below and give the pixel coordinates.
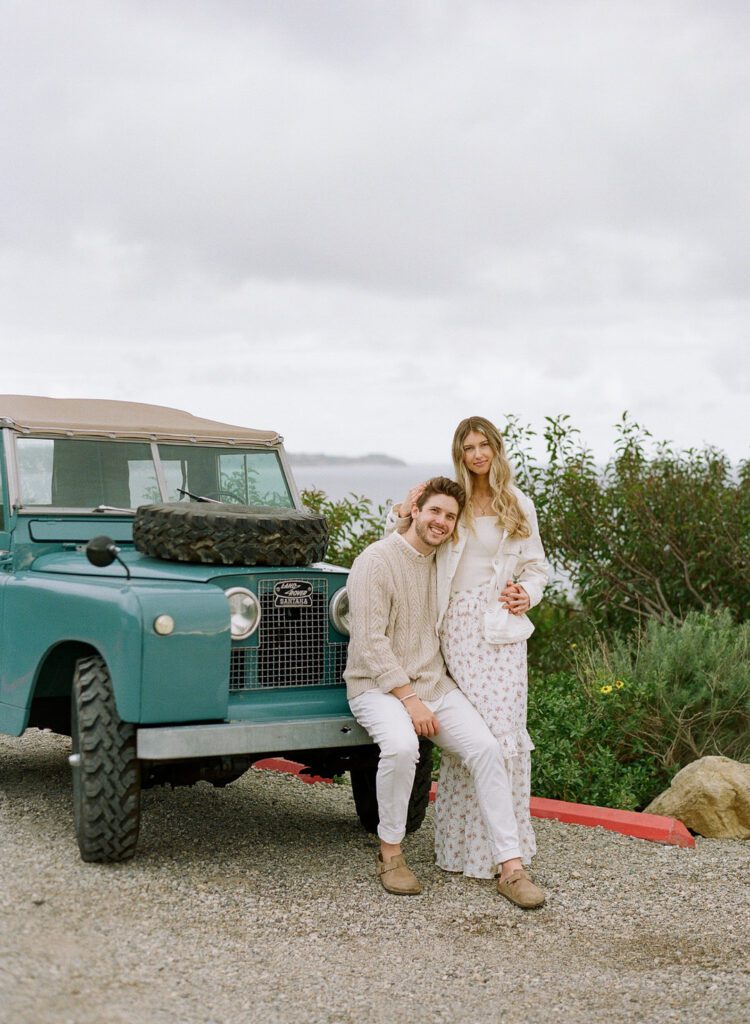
(523, 558)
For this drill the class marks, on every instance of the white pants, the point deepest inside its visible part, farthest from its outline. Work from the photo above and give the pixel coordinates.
(463, 733)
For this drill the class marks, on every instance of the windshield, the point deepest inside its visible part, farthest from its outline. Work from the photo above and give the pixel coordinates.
(74, 473)
(77, 473)
(225, 474)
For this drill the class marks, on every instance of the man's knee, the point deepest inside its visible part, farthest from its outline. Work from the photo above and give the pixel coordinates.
(400, 748)
(485, 750)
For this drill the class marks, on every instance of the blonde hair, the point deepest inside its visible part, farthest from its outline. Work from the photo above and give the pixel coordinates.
(505, 503)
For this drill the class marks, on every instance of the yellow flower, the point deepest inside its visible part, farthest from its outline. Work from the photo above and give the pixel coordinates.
(619, 684)
(605, 689)
(573, 646)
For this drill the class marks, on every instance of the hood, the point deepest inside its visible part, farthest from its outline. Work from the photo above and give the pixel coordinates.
(142, 567)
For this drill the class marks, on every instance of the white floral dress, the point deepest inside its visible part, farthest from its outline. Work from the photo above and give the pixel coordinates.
(494, 678)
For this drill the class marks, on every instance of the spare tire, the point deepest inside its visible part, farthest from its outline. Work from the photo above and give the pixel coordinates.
(222, 534)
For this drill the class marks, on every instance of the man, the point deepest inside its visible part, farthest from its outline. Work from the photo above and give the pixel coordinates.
(399, 689)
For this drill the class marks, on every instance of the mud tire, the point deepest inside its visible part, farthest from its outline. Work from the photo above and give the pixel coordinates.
(365, 798)
(106, 782)
(230, 534)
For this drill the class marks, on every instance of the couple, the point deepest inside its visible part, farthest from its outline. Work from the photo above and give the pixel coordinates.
(422, 602)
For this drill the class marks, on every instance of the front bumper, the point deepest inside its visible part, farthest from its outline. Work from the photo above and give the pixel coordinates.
(174, 742)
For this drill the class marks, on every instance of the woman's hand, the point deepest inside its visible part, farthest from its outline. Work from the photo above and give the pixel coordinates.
(515, 598)
(403, 511)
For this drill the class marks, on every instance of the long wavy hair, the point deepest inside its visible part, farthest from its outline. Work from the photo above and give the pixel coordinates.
(505, 503)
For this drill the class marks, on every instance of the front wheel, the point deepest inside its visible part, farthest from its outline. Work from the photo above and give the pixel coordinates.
(365, 796)
(106, 772)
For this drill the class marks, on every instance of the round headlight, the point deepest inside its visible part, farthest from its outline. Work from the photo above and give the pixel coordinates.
(339, 611)
(244, 611)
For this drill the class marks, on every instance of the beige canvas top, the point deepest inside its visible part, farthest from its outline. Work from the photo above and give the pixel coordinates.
(89, 417)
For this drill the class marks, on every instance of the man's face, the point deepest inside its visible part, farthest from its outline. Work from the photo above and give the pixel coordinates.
(436, 520)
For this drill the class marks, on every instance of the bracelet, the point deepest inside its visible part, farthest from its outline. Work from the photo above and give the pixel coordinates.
(406, 696)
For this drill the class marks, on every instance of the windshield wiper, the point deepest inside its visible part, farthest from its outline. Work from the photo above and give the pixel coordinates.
(198, 497)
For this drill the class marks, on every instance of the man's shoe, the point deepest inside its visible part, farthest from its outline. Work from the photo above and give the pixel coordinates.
(397, 877)
(519, 889)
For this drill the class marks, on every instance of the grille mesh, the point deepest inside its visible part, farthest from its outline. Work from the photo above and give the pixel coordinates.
(292, 649)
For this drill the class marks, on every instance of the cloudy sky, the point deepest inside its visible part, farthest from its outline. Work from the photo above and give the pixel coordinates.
(357, 221)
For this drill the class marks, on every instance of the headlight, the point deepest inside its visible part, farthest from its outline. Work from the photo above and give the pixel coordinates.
(244, 611)
(338, 611)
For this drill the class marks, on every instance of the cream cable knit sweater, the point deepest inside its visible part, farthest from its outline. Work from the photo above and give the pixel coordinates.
(393, 602)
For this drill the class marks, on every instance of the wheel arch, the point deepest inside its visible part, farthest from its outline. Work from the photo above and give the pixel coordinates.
(50, 700)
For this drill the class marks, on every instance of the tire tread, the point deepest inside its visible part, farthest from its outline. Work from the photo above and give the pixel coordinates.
(107, 794)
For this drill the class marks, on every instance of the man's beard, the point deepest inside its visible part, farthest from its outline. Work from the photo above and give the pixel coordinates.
(426, 537)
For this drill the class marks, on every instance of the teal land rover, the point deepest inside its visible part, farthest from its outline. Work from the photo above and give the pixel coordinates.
(164, 602)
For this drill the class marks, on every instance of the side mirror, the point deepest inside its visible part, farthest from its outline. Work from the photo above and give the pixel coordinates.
(101, 551)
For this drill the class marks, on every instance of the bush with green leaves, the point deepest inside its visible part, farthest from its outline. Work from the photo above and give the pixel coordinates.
(636, 710)
(560, 629)
(353, 523)
(655, 533)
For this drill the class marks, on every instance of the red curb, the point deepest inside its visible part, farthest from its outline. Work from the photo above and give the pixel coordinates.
(654, 827)
(281, 764)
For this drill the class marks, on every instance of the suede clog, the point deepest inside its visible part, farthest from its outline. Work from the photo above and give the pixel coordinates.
(519, 889)
(396, 876)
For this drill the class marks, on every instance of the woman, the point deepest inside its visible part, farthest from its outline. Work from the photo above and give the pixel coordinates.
(498, 537)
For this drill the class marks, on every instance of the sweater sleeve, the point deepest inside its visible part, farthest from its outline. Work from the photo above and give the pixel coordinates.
(533, 570)
(394, 522)
(371, 596)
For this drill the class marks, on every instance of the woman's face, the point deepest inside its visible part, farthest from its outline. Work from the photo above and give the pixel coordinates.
(478, 453)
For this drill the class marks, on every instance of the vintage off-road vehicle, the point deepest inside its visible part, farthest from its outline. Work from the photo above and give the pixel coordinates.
(163, 602)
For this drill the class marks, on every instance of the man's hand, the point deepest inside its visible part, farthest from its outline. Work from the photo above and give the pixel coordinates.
(403, 511)
(423, 720)
(515, 598)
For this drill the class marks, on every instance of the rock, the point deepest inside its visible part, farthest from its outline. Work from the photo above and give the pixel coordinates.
(711, 796)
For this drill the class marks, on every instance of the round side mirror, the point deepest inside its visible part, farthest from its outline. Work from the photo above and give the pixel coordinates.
(101, 551)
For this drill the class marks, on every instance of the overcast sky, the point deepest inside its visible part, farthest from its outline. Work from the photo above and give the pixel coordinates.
(358, 221)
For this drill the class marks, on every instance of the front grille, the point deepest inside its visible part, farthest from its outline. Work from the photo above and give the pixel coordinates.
(292, 645)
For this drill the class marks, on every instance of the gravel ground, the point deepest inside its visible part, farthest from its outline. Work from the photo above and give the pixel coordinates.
(259, 903)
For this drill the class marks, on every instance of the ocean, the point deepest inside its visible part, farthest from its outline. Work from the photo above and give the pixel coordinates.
(379, 483)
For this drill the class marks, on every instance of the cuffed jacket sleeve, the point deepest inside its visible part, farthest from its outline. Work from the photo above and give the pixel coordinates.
(533, 570)
(371, 603)
(394, 522)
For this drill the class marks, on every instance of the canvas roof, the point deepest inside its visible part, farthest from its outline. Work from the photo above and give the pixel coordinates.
(90, 417)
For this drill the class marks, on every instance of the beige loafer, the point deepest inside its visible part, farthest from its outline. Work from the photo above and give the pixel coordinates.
(397, 877)
(519, 889)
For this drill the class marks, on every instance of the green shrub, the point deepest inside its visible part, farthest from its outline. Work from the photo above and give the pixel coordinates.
(655, 533)
(353, 523)
(615, 731)
(560, 630)
(692, 681)
(581, 754)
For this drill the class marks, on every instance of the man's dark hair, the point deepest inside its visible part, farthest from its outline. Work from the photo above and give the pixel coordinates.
(443, 485)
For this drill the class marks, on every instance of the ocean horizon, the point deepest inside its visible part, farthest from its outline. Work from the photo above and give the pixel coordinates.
(381, 483)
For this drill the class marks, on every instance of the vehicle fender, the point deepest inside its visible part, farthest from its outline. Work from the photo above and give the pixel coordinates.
(186, 673)
(42, 611)
(175, 678)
